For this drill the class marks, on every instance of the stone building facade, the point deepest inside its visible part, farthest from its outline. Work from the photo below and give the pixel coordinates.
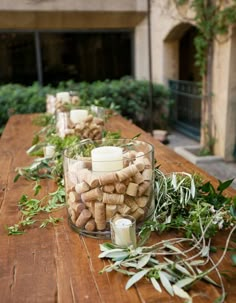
(167, 27)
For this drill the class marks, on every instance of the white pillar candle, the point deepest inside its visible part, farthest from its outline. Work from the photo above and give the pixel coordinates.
(49, 151)
(77, 115)
(107, 159)
(64, 97)
(124, 231)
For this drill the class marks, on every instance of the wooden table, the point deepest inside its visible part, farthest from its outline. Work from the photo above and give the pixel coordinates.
(56, 264)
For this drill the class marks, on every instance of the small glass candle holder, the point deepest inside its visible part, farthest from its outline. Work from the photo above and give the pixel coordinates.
(49, 151)
(123, 230)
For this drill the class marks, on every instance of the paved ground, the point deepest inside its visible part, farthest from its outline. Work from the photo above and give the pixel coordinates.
(221, 170)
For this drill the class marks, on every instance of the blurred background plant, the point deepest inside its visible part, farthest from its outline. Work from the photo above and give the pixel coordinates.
(127, 96)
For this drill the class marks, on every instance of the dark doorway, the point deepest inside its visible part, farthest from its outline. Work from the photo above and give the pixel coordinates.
(188, 71)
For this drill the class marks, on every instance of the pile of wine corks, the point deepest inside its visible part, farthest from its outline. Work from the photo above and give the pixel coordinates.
(93, 199)
(62, 105)
(90, 128)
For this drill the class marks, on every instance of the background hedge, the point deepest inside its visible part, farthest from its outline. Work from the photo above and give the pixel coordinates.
(128, 96)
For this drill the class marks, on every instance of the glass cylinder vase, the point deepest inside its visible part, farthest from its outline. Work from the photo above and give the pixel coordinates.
(108, 178)
(84, 122)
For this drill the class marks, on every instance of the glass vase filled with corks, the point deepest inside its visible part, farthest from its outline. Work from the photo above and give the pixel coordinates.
(84, 122)
(108, 178)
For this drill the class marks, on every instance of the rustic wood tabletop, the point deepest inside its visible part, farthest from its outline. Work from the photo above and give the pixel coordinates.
(55, 264)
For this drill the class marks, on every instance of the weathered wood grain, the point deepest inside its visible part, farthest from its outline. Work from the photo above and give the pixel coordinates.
(56, 264)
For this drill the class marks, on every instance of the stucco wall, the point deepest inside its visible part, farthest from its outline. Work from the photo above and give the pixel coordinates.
(73, 5)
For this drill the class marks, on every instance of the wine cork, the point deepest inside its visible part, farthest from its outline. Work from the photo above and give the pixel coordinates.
(132, 189)
(93, 181)
(113, 198)
(110, 211)
(77, 207)
(147, 163)
(92, 195)
(142, 201)
(93, 126)
(98, 121)
(88, 119)
(130, 201)
(100, 216)
(140, 165)
(147, 174)
(109, 178)
(73, 196)
(83, 218)
(90, 225)
(109, 188)
(138, 213)
(82, 187)
(130, 154)
(143, 187)
(72, 214)
(120, 188)
(91, 207)
(138, 178)
(126, 172)
(124, 209)
(75, 100)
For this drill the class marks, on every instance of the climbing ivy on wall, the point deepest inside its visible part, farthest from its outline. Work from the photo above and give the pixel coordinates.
(213, 18)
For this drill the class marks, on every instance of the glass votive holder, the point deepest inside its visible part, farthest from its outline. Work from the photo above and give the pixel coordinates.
(49, 151)
(123, 231)
(105, 178)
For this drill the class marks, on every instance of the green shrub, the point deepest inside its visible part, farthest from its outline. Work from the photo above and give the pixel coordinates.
(128, 96)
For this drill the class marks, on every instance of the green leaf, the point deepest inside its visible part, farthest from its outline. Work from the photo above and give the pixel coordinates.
(184, 282)
(135, 278)
(114, 254)
(155, 284)
(233, 258)
(16, 178)
(223, 185)
(106, 246)
(181, 293)
(232, 210)
(166, 283)
(144, 260)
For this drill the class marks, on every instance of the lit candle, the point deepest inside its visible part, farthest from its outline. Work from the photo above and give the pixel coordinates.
(64, 97)
(49, 151)
(123, 231)
(77, 115)
(107, 159)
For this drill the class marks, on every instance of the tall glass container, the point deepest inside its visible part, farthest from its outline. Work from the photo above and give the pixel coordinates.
(107, 178)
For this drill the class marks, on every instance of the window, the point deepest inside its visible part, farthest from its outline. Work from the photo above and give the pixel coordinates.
(17, 58)
(81, 56)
